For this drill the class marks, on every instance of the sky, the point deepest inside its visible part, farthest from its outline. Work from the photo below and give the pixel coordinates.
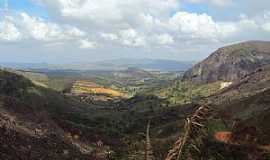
(67, 31)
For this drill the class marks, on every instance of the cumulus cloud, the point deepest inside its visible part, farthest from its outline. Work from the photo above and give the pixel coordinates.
(266, 21)
(133, 25)
(219, 3)
(266, 27)
(194, 25)
(131, 37)
(126, 37)
(86, 44)
(38, 29)
(22, 26)
(164, 39)
(202, 27)
(117, 12)
(8, 31)
(109, 36)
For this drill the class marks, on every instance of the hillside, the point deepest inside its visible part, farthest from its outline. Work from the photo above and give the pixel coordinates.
(29, 134)
(251, 111)
(26, 129)
(76, 125)
(238, 127)
(254, 83)
(82, 125)
(231, 63)
(247, 100)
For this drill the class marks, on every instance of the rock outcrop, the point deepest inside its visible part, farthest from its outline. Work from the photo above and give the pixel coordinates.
(231, 63)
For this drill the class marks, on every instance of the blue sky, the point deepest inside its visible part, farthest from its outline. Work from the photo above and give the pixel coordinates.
(58, 31)
(26, 6)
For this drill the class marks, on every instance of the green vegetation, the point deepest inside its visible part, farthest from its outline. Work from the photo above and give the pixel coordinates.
(182, 92)
(122, 128)
(154, 96)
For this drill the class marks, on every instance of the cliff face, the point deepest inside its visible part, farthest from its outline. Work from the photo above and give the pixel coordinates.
(231, 63)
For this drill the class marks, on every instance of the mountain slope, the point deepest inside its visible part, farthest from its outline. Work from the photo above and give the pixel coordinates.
(231, 63)
(247, 99)
(28, 126)
(252, 84)
(28, 134)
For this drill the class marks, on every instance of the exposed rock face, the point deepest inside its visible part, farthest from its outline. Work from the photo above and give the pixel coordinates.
(231, 63)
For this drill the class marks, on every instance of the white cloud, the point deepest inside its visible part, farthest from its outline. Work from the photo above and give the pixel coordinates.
(115, 12)
(266, 21)
(202, 27)
(74, 32)
(8, 31)
(41, 30)
(195, 1)
(136, 23)
(146, 26)
(194, 25)
(126, 37)
(226, 29)
(266, 27)
(219, 3)
(21, 26)
(266, 15)
(248, 24)
(86, 44)
(165, 39)
(109, 36)
(131, 38)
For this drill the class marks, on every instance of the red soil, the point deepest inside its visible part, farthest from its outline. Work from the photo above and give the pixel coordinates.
(223, 137)
(226, 137)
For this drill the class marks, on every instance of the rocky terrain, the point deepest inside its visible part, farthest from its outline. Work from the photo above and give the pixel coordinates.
(231, 63)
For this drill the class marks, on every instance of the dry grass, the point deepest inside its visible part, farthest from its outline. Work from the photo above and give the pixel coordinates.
(87, 87)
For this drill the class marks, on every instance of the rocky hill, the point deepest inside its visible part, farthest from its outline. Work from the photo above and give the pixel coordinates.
(231, 63)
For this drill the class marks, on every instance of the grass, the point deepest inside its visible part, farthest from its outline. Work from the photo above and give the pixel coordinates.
(123, 130)
(180, 92)
(88, 87)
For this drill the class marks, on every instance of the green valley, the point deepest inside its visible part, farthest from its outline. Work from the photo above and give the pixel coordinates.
(132, 114)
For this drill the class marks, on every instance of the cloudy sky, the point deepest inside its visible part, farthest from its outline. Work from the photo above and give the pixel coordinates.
(63, 31)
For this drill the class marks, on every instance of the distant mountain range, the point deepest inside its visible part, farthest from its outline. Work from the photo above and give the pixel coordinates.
(116, 64)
